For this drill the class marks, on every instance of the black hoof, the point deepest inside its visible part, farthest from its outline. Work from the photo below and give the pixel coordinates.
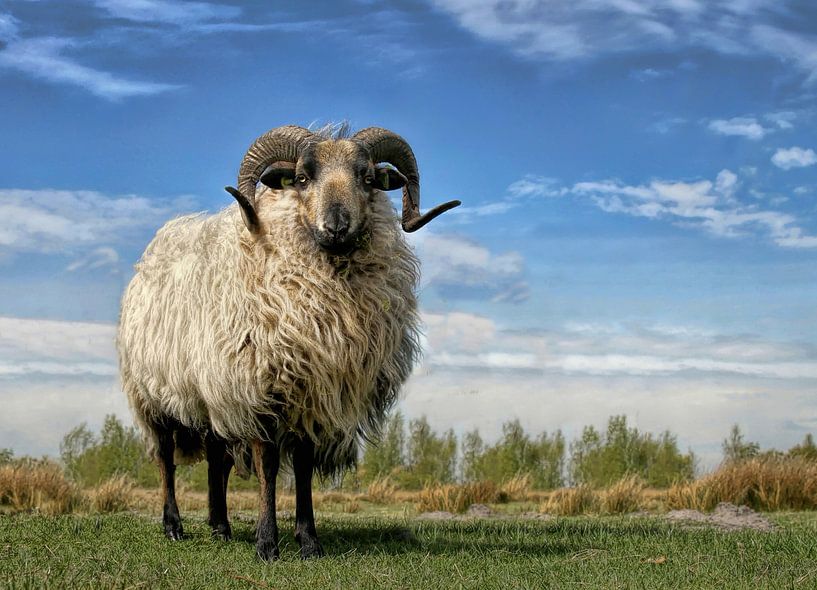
(174, 531)
(222, 532)
(310, 548)
(267, 550)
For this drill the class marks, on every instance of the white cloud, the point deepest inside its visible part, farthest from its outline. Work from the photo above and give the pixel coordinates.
(165, 11)
(462, 268)
(783, 119)
(701, 204)
(43, 58)
(97, 258)
(476, 373)
(577, 29)
(55, 220)
(8, 27)
(536, 186)
(794, 157)
(741, 126)
(56, 347)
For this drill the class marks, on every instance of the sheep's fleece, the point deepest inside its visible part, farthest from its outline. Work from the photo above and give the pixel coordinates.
(270, 337)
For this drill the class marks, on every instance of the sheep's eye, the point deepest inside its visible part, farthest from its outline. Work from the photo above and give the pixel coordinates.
(368, 179)
(300, 179)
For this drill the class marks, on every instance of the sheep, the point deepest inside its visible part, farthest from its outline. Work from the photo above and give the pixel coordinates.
(284, 324)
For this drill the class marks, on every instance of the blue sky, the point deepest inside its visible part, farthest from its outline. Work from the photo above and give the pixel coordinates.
(639, 179)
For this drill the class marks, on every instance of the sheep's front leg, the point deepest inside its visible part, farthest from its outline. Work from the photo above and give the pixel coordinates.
(218, 471)
(171, 519)
(266, 456)
(303, 461)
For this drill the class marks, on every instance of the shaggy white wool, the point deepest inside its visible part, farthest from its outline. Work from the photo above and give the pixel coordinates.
(237, 333)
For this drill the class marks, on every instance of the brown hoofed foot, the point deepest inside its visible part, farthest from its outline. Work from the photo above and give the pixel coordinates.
(267, 550)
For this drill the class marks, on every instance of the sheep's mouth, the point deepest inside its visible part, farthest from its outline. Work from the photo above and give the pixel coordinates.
(337, 247)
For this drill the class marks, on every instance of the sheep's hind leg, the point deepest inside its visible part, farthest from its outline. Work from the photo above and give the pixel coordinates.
(266, 456)
(217, 474)
(171, 519)
(303, 461)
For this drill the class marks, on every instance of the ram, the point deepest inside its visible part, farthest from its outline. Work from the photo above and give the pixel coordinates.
(285, 324)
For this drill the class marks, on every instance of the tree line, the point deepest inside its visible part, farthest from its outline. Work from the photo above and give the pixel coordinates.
(411, 454)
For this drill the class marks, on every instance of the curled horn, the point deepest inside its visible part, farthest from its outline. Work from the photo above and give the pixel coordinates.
(385, 146)
(282, 144)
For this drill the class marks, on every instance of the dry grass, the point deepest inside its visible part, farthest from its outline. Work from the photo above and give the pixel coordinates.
(350, 506)
(381, 491)
(456, 498)
(114, 495)
(626, 495)
(571, 501)
(38, 485)
(517, 489)
(764, 484)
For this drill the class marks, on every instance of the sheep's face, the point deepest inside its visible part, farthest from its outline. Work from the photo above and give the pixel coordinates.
(335, 182)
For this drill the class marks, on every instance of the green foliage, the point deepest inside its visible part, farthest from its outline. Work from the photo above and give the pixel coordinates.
(6, 456)
(807, 449)
(735, 448)
(599, 459)
(387, 456)
(430, 458)
(515, 454)
(118, 450)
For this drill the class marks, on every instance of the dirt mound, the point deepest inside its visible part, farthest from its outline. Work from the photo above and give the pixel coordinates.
(726, 516)
(480, 510)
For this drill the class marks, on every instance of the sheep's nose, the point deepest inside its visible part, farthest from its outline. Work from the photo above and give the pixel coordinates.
(336, 222)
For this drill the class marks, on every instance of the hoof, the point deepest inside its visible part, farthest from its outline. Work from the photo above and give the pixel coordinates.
(222, 532)
(267, 550)
(310, 549)
(174, 531)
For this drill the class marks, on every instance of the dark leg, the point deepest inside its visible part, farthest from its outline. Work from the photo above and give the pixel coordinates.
(302, 464)
(228, 466)
(170, 513)
(217, 485)
(267, 458)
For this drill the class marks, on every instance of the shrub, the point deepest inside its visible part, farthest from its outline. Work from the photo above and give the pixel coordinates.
(775, 483)
(517, 488)
(456, 498)
(623, 496)
(570, 501)
(38, 485)
(113, 495)
(381, 491)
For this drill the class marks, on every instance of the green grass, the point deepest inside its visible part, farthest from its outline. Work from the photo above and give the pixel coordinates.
(128, 550)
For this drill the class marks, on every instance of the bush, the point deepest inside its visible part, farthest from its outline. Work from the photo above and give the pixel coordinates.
(114, 495)
(517, 488)
(570, 501)
(381, 491)
(38, 485)
(623, 496)
(118, 450)
(456, 498)
(777, 483)
(599, 460)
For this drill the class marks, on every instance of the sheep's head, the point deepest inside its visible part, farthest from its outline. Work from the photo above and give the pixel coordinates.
(334, 180)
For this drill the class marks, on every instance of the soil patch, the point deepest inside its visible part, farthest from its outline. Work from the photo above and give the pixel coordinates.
(726, 516)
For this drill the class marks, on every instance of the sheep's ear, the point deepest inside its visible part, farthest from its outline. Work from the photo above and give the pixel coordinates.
(278, 175)
(387, 178)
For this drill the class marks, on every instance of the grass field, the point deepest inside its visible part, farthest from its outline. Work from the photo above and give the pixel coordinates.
(127, 550)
